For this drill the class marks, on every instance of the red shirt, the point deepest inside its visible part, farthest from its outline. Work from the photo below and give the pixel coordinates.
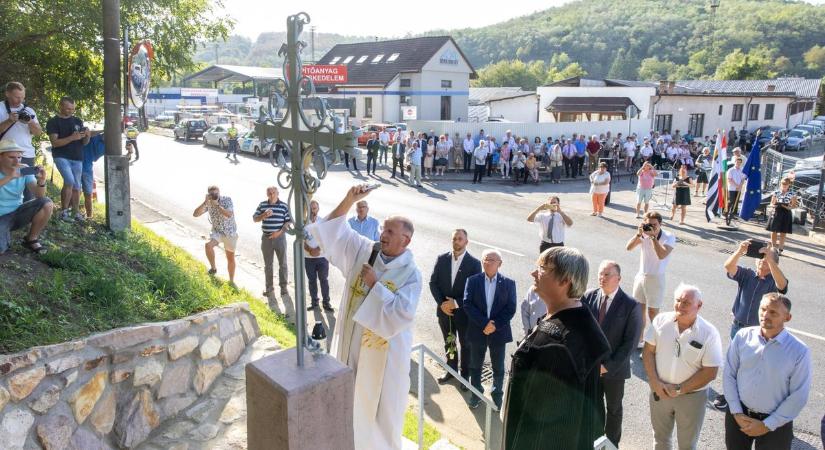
(593, 147)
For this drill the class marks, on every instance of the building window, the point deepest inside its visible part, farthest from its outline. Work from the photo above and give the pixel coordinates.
(753, 112)
(769, 111)
(377, 59)
(335, 60)
(361, 60)
(570, 117)
(446, 84)
(663, 122)
(393, 57)
(737, 113)
(406, 82)
(720, 110)
(367, 107)
(696, 124)
(348, 59)
(405, 99)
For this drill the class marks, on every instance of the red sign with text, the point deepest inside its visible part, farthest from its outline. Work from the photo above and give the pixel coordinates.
(326, 74)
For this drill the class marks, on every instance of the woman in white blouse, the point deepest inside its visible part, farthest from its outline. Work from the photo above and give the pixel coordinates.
(599, 188)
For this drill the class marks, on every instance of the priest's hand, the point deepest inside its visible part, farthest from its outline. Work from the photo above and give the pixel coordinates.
(368, 275)
(357, 193)
(447, 307)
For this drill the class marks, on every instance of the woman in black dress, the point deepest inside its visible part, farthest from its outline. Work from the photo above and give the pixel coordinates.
(553, 399)
(681, 195)
(781, 222)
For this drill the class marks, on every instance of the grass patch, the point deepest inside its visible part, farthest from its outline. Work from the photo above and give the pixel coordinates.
(93, 280)
(431, 435)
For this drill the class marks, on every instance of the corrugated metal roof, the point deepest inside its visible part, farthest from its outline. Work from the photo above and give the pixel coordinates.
(800, 87)
(481, 95)
(412, 55)
(590, 104)
(230, 73)
(606, 82)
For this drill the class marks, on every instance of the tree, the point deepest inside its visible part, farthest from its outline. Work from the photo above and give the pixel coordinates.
(54, 47)
(511, 73)
(755, 65)
(561, 68)
(815, 59)
(623, 67)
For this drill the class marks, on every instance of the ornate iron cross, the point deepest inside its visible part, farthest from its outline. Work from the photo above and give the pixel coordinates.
(310, 133)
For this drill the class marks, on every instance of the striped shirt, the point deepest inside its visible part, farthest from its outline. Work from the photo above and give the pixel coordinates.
(280, 216)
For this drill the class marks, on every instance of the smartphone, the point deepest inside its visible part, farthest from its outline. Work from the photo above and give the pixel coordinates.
(754, 247)
(371, 186)
(31, 170)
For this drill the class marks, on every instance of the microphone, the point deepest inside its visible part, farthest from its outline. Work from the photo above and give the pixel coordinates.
(376, 248)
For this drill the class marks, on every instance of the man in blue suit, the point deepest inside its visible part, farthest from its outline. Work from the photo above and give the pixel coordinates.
(490, 304)
(620, 318)
(447, 286)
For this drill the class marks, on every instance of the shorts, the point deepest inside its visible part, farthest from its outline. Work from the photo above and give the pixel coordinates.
(71, 171)
(229, 242)
(19, 218)
(87, 180)
(649, 289)
(644, 195)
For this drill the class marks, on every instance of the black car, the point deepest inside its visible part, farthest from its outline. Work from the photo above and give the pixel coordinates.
(190, 128)
(767, 134)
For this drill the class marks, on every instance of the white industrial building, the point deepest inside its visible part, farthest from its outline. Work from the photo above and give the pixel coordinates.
(426, 78)
(588, 100)
(504, 104)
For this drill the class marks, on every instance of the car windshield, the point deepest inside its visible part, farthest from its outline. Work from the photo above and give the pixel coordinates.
(797, 134)
(198, 123)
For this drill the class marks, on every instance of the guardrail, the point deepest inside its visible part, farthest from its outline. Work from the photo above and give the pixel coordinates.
(601, 443)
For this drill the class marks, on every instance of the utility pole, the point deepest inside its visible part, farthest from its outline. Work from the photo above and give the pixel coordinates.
(118, 213)
(216, 54)
(125, 71)
(312, 42)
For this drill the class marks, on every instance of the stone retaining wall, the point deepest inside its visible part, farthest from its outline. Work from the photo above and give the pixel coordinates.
(110, 390)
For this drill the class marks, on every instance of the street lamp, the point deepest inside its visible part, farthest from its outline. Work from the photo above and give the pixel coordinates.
(310, 139)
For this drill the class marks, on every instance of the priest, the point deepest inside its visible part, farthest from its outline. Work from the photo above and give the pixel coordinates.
(375, 328)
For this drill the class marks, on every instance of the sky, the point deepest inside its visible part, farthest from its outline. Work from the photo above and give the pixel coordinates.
(377, 18)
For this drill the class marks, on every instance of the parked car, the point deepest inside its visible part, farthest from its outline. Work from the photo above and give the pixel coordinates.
(816, 132)
(376, 128)
(814, 162)
(798, 140)
(217, 135)
(249, 143)
(189, 129)
(808, 198)
(819, 123)
(166, 116)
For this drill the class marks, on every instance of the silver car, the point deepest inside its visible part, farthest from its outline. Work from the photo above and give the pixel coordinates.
(217, 135)
(798, 140)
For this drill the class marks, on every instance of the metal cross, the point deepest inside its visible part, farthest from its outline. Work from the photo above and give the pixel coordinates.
(311, 137)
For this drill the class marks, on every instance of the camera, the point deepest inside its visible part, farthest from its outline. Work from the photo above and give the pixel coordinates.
(24, 116)
(647, 227)
(213, 196)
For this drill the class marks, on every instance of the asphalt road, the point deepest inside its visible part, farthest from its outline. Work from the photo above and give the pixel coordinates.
(171, 178)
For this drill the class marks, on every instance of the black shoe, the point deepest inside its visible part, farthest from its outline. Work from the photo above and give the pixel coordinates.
(328, 307)
(284, 291)
(267, 293)
(462, 388)
(212, 271)
(313, 306)
(720, 403)
(474, 402)
(445, 378)
(497, 402)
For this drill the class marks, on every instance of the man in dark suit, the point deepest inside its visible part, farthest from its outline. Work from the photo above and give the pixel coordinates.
(447, 286)
(490, 304)
(398, 150)
(373, 145)
(620, 318)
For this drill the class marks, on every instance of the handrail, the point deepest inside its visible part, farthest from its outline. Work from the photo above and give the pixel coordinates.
(490, 406)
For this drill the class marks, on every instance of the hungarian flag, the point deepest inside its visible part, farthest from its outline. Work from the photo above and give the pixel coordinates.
(715, 200)
(753, 194)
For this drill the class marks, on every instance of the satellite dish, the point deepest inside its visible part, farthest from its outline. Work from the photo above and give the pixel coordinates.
(140, 67)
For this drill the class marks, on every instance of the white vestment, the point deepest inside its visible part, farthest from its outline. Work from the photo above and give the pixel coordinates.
(381, 387)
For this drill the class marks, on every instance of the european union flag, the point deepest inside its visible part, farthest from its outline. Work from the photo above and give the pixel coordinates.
(753, 194)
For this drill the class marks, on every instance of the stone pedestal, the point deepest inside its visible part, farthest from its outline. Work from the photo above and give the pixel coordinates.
(299, 408)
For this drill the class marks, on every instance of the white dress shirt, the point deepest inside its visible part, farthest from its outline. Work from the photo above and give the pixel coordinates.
(677, 355)
(455, 264)
(556, 234)
(490, 291)
(469, 146)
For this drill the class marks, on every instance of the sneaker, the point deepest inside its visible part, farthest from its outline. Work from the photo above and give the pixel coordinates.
(328, 307)
(267, 293)
(80, 217)
(66, 215)
(474, 402)
(212, 271)
(720, 403)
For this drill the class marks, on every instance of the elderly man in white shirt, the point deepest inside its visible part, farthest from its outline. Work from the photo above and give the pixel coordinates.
(480, 161)
(736, 181)
(682, 355)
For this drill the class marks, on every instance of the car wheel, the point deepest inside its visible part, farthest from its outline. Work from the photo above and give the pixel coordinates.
(257, 151)
(186, 137)
(221, 145)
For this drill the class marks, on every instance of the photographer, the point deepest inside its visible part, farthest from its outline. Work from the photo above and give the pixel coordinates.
(224, 229)
(752, 285)
(18, 123)
(656, 246)
(14, 212)
(553, 222)
(68, 136)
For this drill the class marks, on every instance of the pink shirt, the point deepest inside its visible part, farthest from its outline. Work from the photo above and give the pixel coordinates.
(646, 179)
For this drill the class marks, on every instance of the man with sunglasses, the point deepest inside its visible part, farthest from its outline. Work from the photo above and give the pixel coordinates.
(682, 355)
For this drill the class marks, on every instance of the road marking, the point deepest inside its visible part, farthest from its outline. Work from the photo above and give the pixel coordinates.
(794, 330)
(497, 248)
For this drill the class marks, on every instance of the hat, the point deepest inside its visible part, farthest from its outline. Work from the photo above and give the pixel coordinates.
(7, 145)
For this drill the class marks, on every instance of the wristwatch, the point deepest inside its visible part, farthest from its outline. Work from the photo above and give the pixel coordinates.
(678, 389)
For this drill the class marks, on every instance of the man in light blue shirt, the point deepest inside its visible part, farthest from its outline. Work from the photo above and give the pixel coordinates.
(767, 380)
(363, 224)
(14, 212)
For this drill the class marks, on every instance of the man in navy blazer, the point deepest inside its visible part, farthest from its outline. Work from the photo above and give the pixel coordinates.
(447, 286)
(620, 318)
(490, 304)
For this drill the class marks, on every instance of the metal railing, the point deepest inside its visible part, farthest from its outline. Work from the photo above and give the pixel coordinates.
(490, 406)
(601, 443)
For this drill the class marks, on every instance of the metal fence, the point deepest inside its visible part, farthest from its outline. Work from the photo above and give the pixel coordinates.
(531, 130)
(806, 176)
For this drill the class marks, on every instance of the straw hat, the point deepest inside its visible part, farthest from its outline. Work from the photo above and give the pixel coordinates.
(7, 145)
